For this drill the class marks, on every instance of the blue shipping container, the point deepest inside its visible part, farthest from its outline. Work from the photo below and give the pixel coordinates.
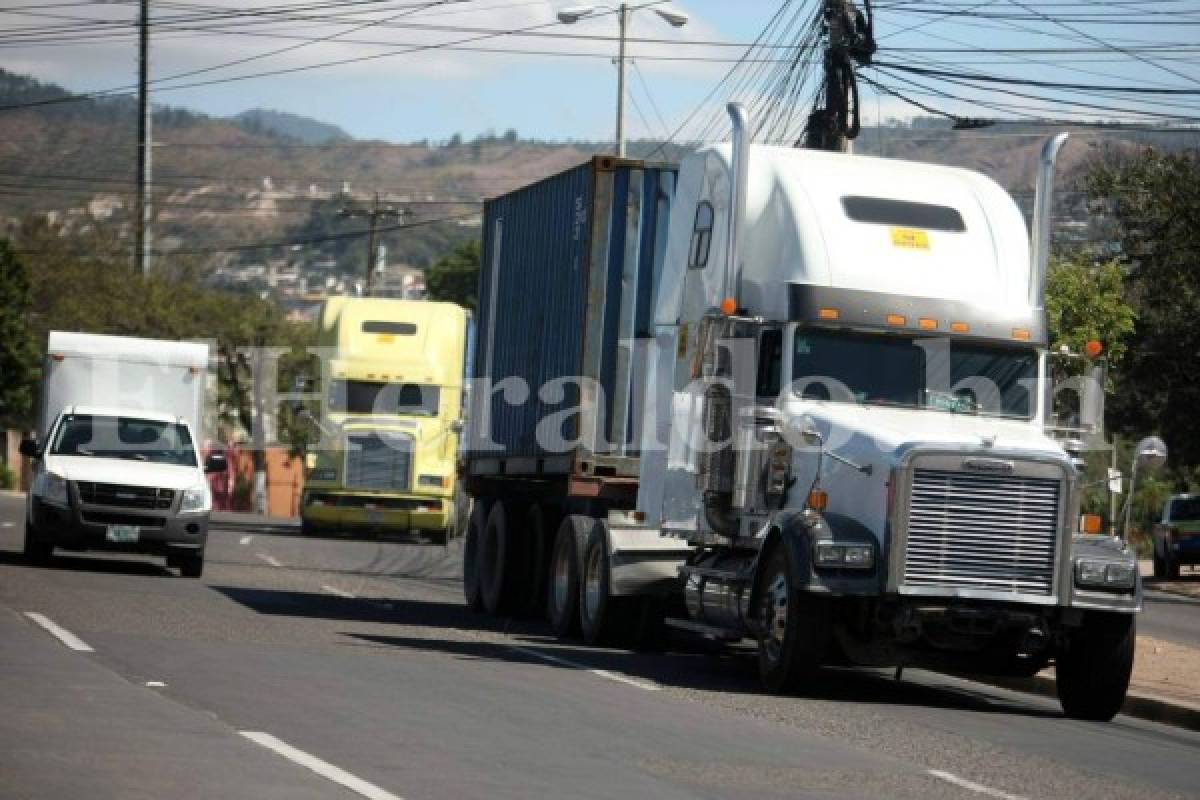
(569, 268)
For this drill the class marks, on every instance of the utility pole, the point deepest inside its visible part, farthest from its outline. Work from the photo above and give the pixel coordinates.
(142, 205)
(373, 214)
(622, 22)
(850, 40)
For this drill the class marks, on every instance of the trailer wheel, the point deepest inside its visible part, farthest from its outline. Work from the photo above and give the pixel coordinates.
(541, 523)
(1093, 672)
(562, 589)
(795, 628)
(496, 561)
(475, 528)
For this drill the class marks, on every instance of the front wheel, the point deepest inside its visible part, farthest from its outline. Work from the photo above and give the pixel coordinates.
(795, 628)
(191, 565)
(1093, 671)
(1160, 569)
(37, 551)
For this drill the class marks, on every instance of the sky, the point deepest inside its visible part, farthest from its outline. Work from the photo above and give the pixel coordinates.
(565, 90)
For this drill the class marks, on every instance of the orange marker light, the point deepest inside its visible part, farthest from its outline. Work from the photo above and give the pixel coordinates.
(960, 327)
(1093, 349)
(818, 499)
(1090, 523)
(1021, 334)
(828, 313)
(57, 356)
(927, 324)
(728, 306)
(897, 319)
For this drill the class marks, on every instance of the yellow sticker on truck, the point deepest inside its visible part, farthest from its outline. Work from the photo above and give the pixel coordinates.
(911, 238)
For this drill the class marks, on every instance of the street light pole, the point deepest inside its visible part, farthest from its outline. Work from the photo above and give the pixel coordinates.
(673, 17)
(622, 21)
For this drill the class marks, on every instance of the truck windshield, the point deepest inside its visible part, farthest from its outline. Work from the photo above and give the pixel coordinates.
(1184, 509)
(929, 373)
(124, 437)
(373, 397)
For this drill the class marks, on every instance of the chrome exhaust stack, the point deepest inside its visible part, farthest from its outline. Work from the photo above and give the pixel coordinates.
(1043, 202)
(737, 202)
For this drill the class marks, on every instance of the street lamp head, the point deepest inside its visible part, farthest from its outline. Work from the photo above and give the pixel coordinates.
(572, 14)
(674, 16)
(1150, 453)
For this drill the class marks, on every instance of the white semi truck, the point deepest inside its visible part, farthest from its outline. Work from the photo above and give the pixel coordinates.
(792, 396)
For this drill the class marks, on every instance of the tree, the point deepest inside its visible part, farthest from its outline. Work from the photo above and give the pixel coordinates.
(18, 351)
(1154, 200)
(1086, 301)
(455, 276)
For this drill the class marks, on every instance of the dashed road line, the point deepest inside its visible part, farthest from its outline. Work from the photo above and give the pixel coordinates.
(338, 592)
(950, 777)
(156, 685)
(269, 559)
(58, 632)
(602, 673)
(322, 768)
(8, 525)
(246, 540)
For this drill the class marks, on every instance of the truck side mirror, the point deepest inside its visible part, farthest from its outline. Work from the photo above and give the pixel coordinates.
(29, 448)
(215, 463)
(457, 426)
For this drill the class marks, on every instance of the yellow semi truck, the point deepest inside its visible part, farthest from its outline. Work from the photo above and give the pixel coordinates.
(392, 412)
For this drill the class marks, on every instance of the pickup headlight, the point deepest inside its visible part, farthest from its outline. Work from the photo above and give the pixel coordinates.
(52, 489)
(196, 500)
(1115, 576)
(844, 556)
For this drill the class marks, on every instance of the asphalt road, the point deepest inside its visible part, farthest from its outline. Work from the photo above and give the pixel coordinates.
(315, 668)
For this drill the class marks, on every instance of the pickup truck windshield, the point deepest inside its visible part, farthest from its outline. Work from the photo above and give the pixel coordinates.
(1184, 509)
(124, 437)
(939, 374)
(373, 397)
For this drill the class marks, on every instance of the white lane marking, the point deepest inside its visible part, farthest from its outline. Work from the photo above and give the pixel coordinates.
(603, 673)
(156, 684)
(336, 591)
(246, 540)
(9, 525)
(62, 634)
(322, 768)
(950, 777)
(269, 559)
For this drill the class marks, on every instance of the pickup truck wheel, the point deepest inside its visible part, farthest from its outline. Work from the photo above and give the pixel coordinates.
(1093, 672)
(1172, 568)
(795, 628)
(562, 588)
(191, 565)
(475, 528)
(1160, 569)
(36, 551)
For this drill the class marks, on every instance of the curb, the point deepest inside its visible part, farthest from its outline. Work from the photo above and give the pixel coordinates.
(250, 524)
(1142, 706)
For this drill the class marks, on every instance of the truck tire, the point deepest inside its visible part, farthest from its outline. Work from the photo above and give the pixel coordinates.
(36, 551)
(541, 523)
(1093, 672)
(1160, 569)
(1172, 568)
(603, 619)
(191, 565)
(562, 588)
(496, 561)
(795, 627)
(475, 528)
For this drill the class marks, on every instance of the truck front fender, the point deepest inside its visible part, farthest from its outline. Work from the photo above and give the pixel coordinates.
(797, 532)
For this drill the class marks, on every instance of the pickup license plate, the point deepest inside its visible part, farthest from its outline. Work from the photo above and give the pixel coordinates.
(122, 533)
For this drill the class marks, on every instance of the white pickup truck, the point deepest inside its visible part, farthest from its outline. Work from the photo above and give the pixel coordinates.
(125, 475)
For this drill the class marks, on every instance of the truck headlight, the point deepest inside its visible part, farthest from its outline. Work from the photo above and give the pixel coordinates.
(196, 500)
(53, 489)
(844, 556)
(1112, 575)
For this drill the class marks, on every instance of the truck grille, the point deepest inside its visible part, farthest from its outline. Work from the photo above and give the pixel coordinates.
(121, 496)
(375, 462)
(986, 532)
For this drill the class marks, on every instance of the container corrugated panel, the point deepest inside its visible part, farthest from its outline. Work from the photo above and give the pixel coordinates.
(569, 267)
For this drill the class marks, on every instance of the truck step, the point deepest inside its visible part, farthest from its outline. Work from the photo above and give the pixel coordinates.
(716, 574)
(720, 634)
